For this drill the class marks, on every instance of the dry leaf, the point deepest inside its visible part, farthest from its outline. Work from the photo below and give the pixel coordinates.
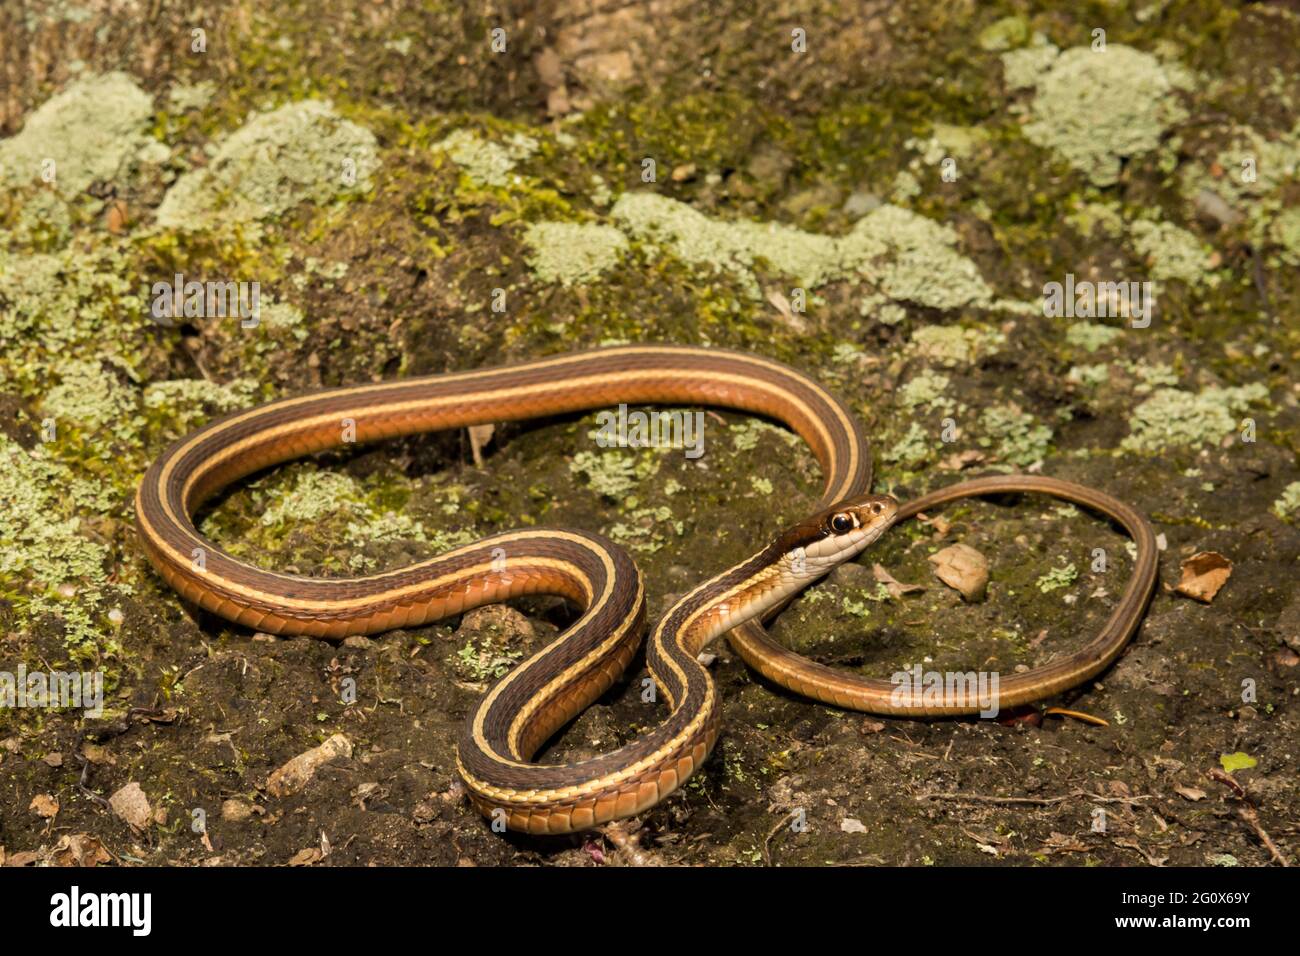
(132, 805)
(963, 459)
(962, 568)
(44, 805)
(1203, 574)
(295, 774)
(782, 305)
(53, 760)
(80, 849)
(1191, 793)
(117, 217)
(851, 825)
(895, 587)
(305, 857)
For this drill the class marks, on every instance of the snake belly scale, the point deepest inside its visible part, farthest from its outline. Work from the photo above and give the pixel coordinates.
(540, 695)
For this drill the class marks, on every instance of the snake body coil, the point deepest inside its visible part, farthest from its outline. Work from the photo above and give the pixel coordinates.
(536, 698)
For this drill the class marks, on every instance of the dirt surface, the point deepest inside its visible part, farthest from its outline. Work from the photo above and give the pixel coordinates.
(879, 196)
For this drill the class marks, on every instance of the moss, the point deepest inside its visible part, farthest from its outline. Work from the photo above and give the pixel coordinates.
(1174, 253)
(1004, 34)
(300, 152)
(1289, 503)
(573, 253)
(1097, 108)
(89, 130)
(1093, 217)
(1172, 417)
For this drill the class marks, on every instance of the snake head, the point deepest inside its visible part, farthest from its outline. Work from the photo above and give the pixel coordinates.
(831, 537)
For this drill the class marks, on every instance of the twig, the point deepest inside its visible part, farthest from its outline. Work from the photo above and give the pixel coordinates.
(1246, 810)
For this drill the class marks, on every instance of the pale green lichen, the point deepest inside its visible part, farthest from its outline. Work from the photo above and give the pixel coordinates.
(1091, 335)
(951, 345)
(908, 257)
(1013, 434)
(1023, 68)
(190, 96)
(573, 253)
(91, 397)
(1172, 417)
(614, 473)
(912, 449)
(314, 495)
(48, 565)
(1096, 108)
(1285, 232)
(1089, 376)
(644, 531)
(1057, 578)
(198, 391)
(1289, 503)
(926, 389)
(188, 402)
(89, 131)
(61, 305)
(484, 161)
(1174, 253)
(1090, 217)
(300, 152)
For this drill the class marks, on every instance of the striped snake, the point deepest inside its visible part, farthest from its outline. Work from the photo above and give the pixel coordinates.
(527, 706)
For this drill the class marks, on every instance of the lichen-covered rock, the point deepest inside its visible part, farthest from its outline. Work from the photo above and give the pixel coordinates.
(83, 134)
(300, 152)
(1172, 417)
(1098, 107)
(486, 161)
(572, 253)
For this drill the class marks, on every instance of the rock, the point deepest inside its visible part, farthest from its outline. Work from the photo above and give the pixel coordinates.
(296, 774)
(964, 569)
(502, 623)
(131, 805)
(236, 811)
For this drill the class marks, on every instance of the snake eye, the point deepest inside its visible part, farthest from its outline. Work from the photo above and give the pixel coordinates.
(841, 523)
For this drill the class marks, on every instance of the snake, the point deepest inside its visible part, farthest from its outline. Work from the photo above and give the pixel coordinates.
(535, 699)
